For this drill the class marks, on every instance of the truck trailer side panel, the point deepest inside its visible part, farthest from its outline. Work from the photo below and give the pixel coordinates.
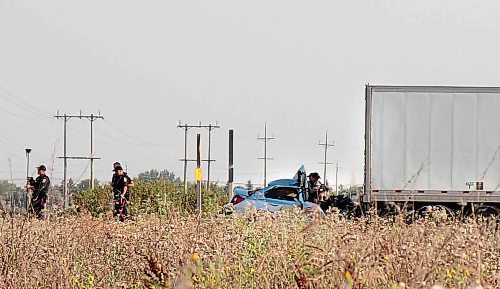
(432, 144)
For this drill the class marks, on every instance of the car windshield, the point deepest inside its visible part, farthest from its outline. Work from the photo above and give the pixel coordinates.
(288, 194)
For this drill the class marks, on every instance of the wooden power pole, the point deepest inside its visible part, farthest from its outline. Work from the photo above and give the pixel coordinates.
(265, 158)
(326, 145)
(230, 177)
(198, 174)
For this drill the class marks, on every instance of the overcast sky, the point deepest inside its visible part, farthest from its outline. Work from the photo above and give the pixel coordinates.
(300, 66)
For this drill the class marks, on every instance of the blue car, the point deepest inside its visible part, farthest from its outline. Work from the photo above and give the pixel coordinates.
(279, 194)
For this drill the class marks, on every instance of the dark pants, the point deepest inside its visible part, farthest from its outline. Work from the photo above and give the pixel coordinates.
(38, 205)
(120, 209)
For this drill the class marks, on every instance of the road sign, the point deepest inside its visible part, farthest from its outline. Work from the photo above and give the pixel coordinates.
(197, 174)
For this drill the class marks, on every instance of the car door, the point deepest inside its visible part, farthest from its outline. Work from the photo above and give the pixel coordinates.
(279, 197)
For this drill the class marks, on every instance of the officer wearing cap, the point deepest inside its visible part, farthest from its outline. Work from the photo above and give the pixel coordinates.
(120, 193)
(115, 177)
(316, 188)
(40, 188)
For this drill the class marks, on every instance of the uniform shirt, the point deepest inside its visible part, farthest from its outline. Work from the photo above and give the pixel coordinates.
(314, 188)
(41, 186)
(120, 182)
(315, 191)
(115, 178)
(129, 179)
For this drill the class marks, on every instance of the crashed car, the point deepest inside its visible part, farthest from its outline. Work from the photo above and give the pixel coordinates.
(279, 194)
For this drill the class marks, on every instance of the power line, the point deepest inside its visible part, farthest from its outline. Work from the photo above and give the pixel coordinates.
(15, 114)
(23, 104)
(115, 127)
(84, 171)
(8, 143)
(121, 142)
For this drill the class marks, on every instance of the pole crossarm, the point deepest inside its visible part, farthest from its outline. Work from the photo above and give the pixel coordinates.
(91, 117)
(80, 158)
(197, 126)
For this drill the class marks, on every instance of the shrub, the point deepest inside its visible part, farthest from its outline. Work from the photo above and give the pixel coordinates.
(152, 197)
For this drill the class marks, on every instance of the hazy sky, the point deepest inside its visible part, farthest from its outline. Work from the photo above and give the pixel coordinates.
(299, 65)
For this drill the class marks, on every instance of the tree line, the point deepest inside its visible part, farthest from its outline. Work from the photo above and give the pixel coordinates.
(14, 197)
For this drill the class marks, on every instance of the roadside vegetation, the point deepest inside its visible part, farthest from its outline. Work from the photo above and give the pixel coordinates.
(165, 245)
(160, 198)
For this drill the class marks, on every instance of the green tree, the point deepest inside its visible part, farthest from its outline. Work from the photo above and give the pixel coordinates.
(6, 187)
(154, 175)
(165, 175)
(150, 175)
(12, 196)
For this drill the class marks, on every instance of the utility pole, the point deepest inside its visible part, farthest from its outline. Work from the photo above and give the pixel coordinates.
(198, 174)
(185, 155)
(230, 177)
(210, 128)
(12, 207)
(65, 177)
(92, 181)
(28, 151)
(186, 127)
(265, 158)
(337, 179)
(326, 145)
(65, 157)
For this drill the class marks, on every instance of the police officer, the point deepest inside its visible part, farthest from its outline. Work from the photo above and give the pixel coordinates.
(40, 188)
(114, 180)
(120, 193)
(130, 182)
(316, 189)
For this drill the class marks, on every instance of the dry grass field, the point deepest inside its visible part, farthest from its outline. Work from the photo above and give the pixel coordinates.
(286, 250)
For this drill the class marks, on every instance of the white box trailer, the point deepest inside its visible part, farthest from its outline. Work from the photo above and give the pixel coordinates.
(432, 144)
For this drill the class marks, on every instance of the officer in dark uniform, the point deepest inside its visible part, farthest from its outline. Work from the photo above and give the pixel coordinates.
(317, 191)
(115, 177)
(120, 193)
(40, 188)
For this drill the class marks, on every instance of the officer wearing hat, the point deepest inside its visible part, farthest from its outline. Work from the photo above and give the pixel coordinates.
(115, 177)
(40, 188)
(120, 184)
(316, 188)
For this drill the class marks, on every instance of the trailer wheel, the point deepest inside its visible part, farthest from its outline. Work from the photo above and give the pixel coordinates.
(486, 211)
(390, 209)
(449, 213)
(436, 212)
